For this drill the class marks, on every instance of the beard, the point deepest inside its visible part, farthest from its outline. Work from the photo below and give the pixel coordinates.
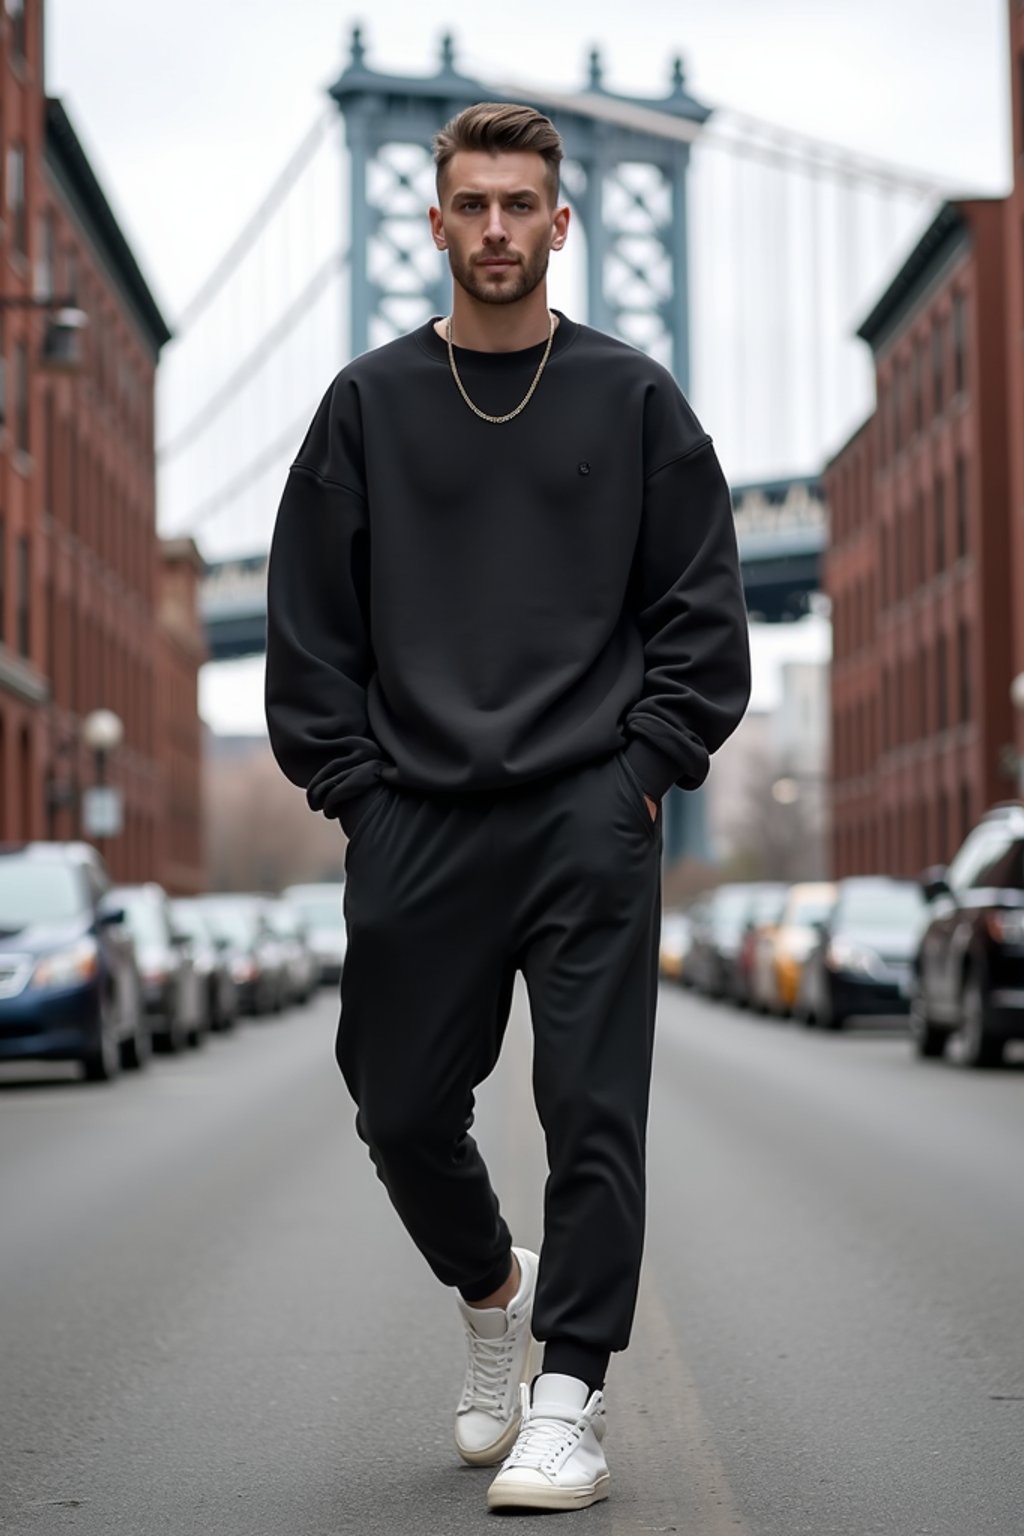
(516, 283)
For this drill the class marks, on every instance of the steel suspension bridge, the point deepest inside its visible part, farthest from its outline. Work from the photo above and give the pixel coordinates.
(738, 253)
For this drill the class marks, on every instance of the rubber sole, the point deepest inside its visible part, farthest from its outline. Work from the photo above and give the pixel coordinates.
(510, 1497)
(499, 1449)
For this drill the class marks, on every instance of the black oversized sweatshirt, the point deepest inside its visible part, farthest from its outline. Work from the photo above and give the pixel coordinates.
(456, 605)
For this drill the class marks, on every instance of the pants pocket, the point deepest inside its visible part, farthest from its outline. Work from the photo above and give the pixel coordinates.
(635, 794)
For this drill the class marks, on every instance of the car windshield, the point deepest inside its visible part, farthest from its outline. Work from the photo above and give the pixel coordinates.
(35, 891)
(189, 920)
(144, 916)
(767, 907)
(729, 908)
(319, 911)
(282, 920)
(897, 906)
(236, 923)
(806, 910)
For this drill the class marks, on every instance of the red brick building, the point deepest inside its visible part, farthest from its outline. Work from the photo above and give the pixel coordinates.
(181, 652)
(1015, 302)
(917, 571)
(80, 563)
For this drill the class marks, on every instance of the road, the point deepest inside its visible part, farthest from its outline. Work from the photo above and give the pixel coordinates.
(212, 1323)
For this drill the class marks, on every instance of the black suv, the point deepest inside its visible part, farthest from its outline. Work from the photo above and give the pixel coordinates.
(969, 971)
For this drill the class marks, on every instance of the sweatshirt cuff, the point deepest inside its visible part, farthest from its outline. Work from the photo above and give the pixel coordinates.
(656, 772)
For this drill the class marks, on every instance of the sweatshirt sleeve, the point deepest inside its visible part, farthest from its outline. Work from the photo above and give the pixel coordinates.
(692, 617)
(319, 654)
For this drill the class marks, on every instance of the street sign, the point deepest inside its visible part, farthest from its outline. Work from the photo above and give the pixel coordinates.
(102, 811)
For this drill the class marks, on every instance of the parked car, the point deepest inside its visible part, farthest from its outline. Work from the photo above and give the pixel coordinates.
(256, 960)
(780, 951)
(718, 918)
(69, 987)
(173, 995)
(969, 972)
(301, 966)
(862, 962)
(676, 933)
(767, 900)
(320, 907)
(212, 959)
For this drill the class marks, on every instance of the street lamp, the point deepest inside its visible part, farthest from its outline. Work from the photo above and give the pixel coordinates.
(65, 323)
(102, 732)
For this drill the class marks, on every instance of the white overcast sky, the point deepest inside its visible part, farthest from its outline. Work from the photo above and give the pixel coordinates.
(189, 111)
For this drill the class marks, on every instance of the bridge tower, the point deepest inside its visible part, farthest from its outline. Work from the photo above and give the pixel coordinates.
(626, 177)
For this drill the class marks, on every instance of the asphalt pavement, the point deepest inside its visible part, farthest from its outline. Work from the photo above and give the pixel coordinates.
(211, 1322)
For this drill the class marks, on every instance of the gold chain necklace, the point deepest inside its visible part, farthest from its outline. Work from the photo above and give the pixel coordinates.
(524, 402)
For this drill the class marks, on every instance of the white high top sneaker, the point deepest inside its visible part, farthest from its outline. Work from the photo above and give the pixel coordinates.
(502, 1354)
(557, 1461)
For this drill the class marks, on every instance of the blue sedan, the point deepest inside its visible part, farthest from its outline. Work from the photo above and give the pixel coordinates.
(69, 987)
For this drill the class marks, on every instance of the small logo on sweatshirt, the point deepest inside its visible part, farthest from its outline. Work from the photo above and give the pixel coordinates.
(583, 468)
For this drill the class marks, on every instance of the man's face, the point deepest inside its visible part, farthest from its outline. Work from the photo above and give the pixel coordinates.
(498, 224)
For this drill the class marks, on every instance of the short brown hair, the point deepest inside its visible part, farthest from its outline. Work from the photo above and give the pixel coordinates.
(500, 128)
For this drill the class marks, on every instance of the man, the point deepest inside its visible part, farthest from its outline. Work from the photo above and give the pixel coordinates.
(504, 617)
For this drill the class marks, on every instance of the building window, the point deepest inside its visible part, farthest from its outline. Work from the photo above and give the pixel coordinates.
(897, 408)
(922, 539)
(941, 678)
(964, 665)
(49, 449)
(16, 198)
(16, 15)
(3, 583)
(965, 809)
(918, 375)
(21, 424)
(46, 261)
(22, 397)
(962, 528)
(22, 575)
(938, 362)
(942, 830)
(940, 525)
(959, 343)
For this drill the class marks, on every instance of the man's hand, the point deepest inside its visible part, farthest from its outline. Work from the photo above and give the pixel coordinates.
(652, 807)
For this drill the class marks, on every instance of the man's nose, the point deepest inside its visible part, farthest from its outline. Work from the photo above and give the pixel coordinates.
(496, 233)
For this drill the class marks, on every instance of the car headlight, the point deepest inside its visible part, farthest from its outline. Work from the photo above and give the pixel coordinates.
(68, 967)
(1006, 927)
(842, 955)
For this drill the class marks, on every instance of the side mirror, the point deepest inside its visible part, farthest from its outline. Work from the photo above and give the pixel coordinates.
(933, 882)
(107, 917)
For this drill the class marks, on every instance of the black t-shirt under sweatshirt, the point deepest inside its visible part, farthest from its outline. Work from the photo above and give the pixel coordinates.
(459, 606)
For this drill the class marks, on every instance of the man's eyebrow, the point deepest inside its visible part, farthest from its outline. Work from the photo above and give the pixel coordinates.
(476, 192)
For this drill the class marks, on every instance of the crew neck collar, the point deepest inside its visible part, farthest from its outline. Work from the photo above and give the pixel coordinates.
(565, 334)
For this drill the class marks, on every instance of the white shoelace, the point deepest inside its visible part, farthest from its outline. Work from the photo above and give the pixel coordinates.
(487, 1374)
(542, 1440)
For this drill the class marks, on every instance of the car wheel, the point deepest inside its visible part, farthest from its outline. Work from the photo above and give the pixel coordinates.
(830, 1017)
(173, 1039)
(103, 1062)
(977, 1044)
(137, 1050)
(929, 1040)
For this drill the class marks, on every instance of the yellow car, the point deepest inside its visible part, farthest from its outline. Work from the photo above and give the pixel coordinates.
(792, 941)
(675, 943)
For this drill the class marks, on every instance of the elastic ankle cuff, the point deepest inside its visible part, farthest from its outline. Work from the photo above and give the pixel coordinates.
(564, 1358)
(493, 1281)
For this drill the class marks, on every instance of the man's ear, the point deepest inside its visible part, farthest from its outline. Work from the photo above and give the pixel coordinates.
(437, 229)
(560, 223)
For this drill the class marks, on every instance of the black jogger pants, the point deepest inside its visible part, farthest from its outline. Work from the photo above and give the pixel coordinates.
(446, 897)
